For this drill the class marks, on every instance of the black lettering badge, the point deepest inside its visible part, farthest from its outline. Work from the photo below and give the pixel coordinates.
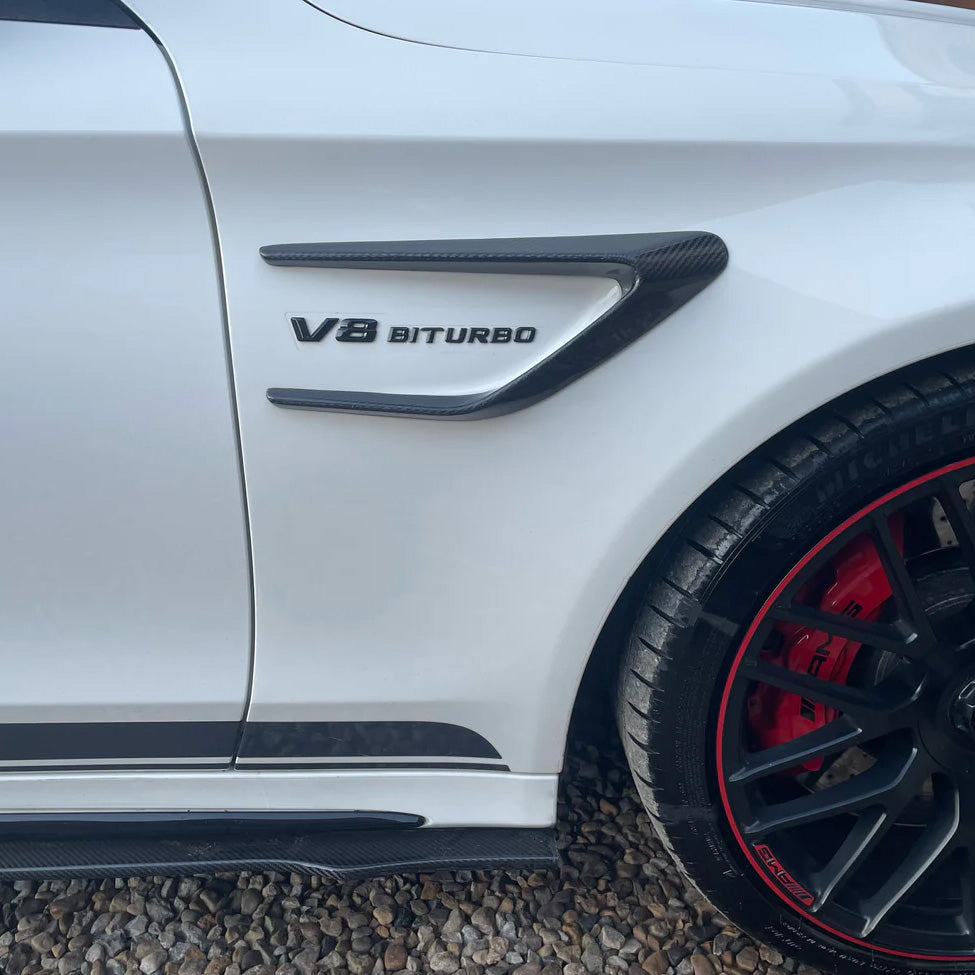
(368, 330)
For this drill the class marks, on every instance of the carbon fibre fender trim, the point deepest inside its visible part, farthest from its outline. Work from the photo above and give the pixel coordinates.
(339, 855)
(657, 274)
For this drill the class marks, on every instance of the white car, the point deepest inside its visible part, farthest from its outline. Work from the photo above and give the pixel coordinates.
(372, 369)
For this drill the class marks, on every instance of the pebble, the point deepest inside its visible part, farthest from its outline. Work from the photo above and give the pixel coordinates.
(443, 961)
(383, 915)
(616, 906)
(747, 959)
(250, 901)
(153, 962)
(770, 955)
(394, 957)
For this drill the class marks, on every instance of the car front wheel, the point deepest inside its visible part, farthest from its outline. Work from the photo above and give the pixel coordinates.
(797, 698)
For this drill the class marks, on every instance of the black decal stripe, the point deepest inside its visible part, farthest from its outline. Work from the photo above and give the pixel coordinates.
(198, 744)
(343, 854)
(82, 13)
(359, 739)
(145, 765)
(257, 765)
(168, 824)
(657, 272)
(93, 741)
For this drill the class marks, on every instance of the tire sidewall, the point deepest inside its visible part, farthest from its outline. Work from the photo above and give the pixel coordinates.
(836, 487)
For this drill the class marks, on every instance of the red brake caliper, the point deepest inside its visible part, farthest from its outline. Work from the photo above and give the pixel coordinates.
(859, 588)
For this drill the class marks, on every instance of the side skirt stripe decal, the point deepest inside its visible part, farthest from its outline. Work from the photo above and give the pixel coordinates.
(92, 741)
(119, 825)
(657, 273)
(310, 765)
(194, 743)
(381, 739)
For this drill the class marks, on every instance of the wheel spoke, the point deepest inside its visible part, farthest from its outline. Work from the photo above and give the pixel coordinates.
(929, 850)
(826, 740)
(867, 831)
(899, 637)
(871, 826)
(883, 784)
(909, 605)
(873, 707)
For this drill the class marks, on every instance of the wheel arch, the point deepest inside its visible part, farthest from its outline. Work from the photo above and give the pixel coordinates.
(592, 704)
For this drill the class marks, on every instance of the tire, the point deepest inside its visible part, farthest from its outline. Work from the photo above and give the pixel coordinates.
(712, 578)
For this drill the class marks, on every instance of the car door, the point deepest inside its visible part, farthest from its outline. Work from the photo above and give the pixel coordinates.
(124, 569)
(390, 552)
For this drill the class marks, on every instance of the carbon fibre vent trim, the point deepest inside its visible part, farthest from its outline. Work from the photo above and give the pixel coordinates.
(657, 272)
(343, 855)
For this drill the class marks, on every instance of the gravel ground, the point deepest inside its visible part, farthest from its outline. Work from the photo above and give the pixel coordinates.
(617, 905)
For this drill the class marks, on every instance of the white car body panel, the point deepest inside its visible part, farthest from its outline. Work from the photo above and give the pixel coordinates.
(740, 35)
(124, 570)
(448, 798)
(416, 570)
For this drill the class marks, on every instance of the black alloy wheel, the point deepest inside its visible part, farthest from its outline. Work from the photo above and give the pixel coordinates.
(880, 838)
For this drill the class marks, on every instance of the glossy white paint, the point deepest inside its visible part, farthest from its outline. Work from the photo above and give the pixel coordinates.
(409, 568)
(123, 562)
(558, 307)
(460, 572)
(745, 35)
(445, 798)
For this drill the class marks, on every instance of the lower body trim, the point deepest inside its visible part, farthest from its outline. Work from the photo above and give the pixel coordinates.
(339, 855)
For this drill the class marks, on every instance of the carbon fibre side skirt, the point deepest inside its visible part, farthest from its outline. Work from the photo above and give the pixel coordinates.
(341, 846)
